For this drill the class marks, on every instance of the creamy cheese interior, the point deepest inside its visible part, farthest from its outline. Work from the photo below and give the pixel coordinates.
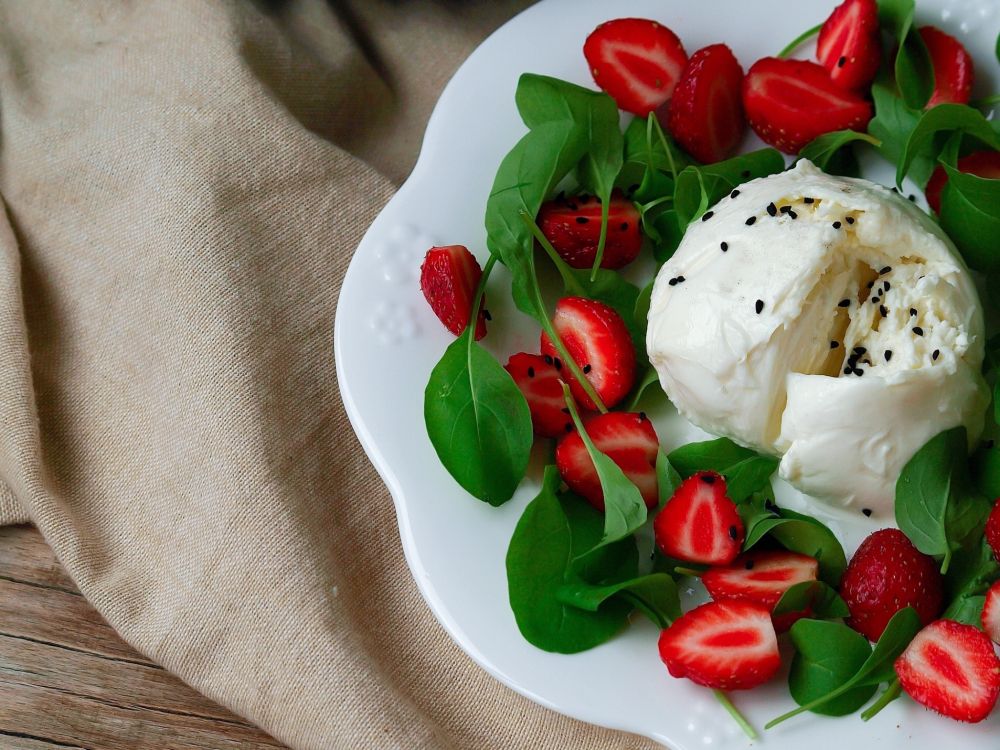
(825, 320)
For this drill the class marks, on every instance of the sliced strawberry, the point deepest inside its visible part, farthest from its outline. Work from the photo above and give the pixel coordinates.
(573, 226)
(849, 44)
(700, 523)
(951, 668)
(993, 529)
(888, 574)
(727, 645)
(627, 439)
(597, 339)
(760, 577)
(541, 385)
(953, 68)
(705, 114)
(448, 278)
(980, 163)
(791, 102)
(636, 61)
(991, 613)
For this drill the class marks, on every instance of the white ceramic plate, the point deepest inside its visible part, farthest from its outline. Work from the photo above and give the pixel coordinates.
(387, 340)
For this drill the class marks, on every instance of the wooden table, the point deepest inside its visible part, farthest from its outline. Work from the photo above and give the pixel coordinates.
(68, 681)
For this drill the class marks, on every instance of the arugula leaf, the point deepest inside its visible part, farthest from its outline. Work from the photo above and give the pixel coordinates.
(972, 572)
(828, 655)
(831, 153)
(745, 470)
(600, 167)
(667, 478)
(550, 534)
(943, 118)
(985, 468)
(648, 378)
(697, 188)
(802, 534)
(648, 147)
(876, 668)
(624, 508)
(970, 214)
(892, 125)
(654, 594)
(936, 506)
(667, 233)
(477, 418)
(913, 69)
(816, 597)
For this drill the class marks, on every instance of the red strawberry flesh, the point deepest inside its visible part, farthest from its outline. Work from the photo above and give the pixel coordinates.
(573, 227)
(541, 385)
(993, 529)
(953, 69)
(700, 523)
(991, 613)
(448, 278)
(848, 45)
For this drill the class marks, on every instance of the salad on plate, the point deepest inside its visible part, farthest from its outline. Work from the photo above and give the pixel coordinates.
(832, 333)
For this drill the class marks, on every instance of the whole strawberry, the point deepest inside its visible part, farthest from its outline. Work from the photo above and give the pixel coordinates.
(888, 574)
(993, 530)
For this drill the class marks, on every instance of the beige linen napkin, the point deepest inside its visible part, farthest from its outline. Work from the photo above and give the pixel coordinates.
(181, 203)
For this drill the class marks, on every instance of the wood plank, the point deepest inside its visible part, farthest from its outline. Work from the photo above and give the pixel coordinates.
(18, 742)
(25, 557)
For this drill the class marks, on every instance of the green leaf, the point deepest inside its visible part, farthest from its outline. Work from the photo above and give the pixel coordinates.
(970, 214)
(648, 378)
(745, 470)
(669, 233)
(973, 571)
(913, 69)
(829, 152)
(667, 478)
(943, 118)
(478, 421)
(816, 597)
(877, 667)
(828, 655)
(985, 468)
(935, 504)
(654, 594)
(624, 508)
(697, 188)
(549, 535)
(892, 125)
(646, 145)
(802, 534)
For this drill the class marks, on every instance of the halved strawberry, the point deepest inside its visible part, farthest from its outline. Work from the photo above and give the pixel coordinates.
(627, 439)
(849, 46)
(596, 338)
(951, 668)
(980, 163)
(541, 385)
(953, 69)
(991, 613)
(791, 102)
(448, 278)
(573, 226)
(700, 523)
(722, 645)
(888, 574)
(635, 60)
(705, 114)
(993, 529)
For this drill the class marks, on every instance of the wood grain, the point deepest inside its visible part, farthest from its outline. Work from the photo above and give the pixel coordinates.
(68, 681)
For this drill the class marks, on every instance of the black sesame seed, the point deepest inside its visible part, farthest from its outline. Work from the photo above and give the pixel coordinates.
(918, 330)
(867, 512)
(681, 279)
(672, 282)
(772, 210)
(859, 350)
(847, 370)
(624, 226)
(841, 62)
(836, 225)
(883, 311)
(587, 369)
(734, 533)
(844, 303)
(751, 220)
(912, 198)
(745, 173)
(888, 354)
(642, 416)
(850, 219)
(708, 478)
(531, 372)
(557, 363)
(834, 344)
(886, 285)
(785, 209)
(569, 427)
(486, 315)
(793, 215)
(876, 300)
(548, 359)
(871, 284)
(884, 270)
(858, 372)
(582, 219)
(724, 246)
(935, 354)
(808, 200)
(748, 565)
(913, 312)
(759, 306)
(734, 193)
(707, 215)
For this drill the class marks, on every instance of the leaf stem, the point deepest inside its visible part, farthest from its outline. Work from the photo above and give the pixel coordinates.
(652, 122)
(891, 693)
(739, 718)
(792, 45)
(986, 102)
(689, 572)
(569, 281)
(480, 291)
(605, 209)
